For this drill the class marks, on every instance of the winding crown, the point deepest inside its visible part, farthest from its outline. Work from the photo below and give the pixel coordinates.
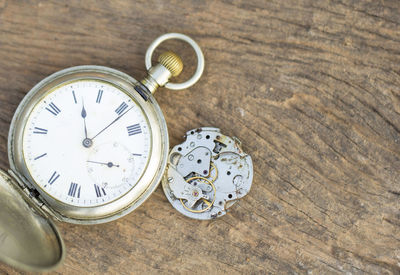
(172, 62)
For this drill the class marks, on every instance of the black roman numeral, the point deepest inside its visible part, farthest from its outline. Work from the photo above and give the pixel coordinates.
(52, 108)
(134, 129)
(74, 190)
(41, 131)
(121, 108)
(73, 94)
(99, 191)
(53, 178)
(99, 95)
(38, 157)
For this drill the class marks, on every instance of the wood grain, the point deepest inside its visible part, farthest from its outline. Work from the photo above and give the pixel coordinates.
(310, 87)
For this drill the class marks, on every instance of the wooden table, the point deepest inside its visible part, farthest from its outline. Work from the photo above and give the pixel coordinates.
(310, 87)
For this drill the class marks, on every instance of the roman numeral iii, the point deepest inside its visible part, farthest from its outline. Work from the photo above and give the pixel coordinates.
(52, 108)
(74, 190)
(121, 108)
(134, 129)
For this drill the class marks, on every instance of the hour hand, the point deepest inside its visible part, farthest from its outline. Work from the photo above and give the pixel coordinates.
(87, 142)
(83, 114)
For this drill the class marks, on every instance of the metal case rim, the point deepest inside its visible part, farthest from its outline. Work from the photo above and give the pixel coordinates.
(155, 166)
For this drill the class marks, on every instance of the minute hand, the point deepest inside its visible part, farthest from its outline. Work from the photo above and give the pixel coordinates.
(115, 120)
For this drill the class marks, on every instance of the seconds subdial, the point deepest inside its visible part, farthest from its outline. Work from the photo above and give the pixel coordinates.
(110, 166)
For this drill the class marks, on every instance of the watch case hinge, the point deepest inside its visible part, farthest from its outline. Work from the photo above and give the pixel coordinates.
(31, 193)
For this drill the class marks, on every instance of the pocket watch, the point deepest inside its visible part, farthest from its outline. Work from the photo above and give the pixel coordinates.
(87, 145)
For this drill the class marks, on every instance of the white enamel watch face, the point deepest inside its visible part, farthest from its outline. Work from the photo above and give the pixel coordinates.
(86, 143)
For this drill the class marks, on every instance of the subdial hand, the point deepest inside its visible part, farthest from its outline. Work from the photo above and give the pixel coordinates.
(108, 164)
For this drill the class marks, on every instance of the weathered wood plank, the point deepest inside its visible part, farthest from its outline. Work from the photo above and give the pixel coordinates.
(310, 87)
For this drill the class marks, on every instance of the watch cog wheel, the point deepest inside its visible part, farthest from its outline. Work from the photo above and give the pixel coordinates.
(200, 200)
(207, 174)
(210, 174)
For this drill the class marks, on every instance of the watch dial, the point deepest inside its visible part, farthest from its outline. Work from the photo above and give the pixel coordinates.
(86, 143)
